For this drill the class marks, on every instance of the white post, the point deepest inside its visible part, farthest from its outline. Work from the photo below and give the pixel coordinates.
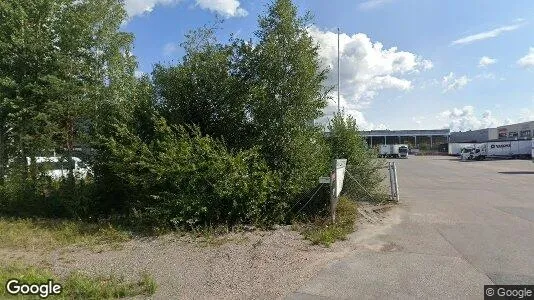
(336, 178)
(391, 181)
(396, 182)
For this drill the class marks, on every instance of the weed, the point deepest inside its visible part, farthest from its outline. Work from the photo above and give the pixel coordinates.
(39, 234)
(79, 286)
(324, 232)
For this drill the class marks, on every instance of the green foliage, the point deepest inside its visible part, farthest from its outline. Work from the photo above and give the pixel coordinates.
(41, 196)
(31, 234)
(363, 167)
(226, 136)
(179, 178)
(203, 91)
(59, 59)
(288, 94)
(79, 286)
(323, 232)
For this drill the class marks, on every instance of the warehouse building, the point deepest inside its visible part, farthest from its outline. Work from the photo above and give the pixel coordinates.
(414, 138)
(474, 136)
(523, 130)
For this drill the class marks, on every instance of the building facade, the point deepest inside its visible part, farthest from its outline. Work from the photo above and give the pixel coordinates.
(523, 130)
(474, 136)
(414, 138)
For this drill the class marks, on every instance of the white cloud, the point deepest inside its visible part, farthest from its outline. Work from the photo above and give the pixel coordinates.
(451, 82)
(486, 61)
(170, 48)
(527, 61)
(227, 8)
(366, 68)
(139, 7)
(488, 34)
(349, 109)
(372, 4)
(427, 64)
(462, 119)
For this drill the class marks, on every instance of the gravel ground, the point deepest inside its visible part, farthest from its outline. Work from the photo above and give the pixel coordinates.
(247, 265)
(252, 265)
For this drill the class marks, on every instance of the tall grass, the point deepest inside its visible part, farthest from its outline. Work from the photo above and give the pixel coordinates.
(77, 285)
(323, 232)
(46, 234)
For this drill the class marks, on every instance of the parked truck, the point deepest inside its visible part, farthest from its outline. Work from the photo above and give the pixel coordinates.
(456, 148)
(499, 149)
(394, 151)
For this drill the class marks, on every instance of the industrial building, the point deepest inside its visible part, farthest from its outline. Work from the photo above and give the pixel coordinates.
(523, 130)
(437, 139)
(414, 138)
(474, 136)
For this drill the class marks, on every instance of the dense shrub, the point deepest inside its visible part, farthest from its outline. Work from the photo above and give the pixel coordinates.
(43, 197)
(363, 178)
(183, 179)
(226, 136)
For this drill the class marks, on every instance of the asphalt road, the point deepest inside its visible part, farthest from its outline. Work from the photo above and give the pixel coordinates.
(460, 225)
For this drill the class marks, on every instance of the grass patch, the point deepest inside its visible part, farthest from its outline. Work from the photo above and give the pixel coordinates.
(77, 285)
(45, 234)
(322, 232)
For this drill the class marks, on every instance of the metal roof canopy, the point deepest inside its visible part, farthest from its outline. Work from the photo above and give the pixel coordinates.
(381, 133)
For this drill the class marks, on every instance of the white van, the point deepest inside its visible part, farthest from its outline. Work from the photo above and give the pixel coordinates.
(57, 167)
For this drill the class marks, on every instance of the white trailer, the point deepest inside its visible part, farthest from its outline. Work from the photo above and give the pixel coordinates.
(396, 151)
(500, 149)
(456, 148)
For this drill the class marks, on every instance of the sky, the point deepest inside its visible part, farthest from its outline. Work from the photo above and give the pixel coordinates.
(405, 64)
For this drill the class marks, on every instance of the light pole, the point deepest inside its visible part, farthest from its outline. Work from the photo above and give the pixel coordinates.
(338, 73)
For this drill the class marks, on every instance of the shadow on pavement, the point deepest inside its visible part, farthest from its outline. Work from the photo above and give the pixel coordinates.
(518, 173)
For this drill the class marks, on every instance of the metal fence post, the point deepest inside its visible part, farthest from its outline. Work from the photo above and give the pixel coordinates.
(395, 181)
(391, 189)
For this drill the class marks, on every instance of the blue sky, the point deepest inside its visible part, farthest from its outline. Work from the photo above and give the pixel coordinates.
(406, 64)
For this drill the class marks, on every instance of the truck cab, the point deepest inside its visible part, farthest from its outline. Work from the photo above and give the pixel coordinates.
(476, 152)
(466, 153)
(403, 151)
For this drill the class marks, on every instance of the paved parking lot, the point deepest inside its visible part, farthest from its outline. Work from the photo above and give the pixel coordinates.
(460, 225)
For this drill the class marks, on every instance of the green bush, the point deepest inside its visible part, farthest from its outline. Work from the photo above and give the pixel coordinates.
(323, 231)
(364, 178)
(43, 197)
(179, 178)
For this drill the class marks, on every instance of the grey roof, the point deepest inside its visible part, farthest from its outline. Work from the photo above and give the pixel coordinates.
(432, 132)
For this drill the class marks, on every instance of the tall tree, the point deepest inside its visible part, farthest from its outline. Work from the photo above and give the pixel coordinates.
(289, 94)
(203, 91)
(61, 63)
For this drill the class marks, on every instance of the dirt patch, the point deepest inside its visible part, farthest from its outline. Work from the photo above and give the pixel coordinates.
(257, 264)
(261, 264)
